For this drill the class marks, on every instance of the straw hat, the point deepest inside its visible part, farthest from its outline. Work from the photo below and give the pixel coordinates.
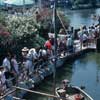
(25, 49)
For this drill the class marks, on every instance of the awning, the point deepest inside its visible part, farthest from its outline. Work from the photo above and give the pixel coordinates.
(1, 2)
(18, 2)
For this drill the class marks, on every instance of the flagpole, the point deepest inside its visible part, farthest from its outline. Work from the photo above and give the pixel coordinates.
(55, 44)
(23, 6)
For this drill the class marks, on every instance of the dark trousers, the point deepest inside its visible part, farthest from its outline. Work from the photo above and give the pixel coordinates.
(10, 75)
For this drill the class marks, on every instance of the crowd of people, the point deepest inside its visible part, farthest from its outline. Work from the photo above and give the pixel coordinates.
(34, 58)
(89, 34)
(8, 70)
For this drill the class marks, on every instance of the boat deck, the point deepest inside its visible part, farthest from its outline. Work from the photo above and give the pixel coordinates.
(79, 47)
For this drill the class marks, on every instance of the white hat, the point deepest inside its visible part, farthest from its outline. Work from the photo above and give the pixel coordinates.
(25, 49)
(32, 50)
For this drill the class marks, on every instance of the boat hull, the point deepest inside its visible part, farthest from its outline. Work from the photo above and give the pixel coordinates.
(71, 92)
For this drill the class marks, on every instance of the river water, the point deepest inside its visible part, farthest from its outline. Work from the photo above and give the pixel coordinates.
(82, 17)
(84, 71)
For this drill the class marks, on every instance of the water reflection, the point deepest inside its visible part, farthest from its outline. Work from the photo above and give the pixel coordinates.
(88, 75)
(82, 17)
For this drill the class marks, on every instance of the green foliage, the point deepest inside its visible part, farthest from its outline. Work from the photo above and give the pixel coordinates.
(93, 2)
(23, 31)
(46, 23)
(2, 18)
(20, 29)
(39, 40)
(19, 26)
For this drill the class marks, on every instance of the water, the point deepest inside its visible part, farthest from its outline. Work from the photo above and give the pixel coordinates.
(84, 71)
(82, 17)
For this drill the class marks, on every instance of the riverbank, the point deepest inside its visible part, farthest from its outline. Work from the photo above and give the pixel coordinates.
(84, 6)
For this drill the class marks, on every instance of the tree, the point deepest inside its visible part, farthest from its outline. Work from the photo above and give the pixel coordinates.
(76, 2)
(2, 18)
(93, 2)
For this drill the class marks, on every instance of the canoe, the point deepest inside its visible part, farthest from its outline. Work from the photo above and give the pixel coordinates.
(72, 93)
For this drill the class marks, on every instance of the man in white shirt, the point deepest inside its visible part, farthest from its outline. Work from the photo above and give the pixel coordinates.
(69, 44)
(7, 65)
(15, 64)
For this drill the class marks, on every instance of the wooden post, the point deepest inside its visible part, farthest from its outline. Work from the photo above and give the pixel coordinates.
(98, 44)
(36, 92)
(23, 6)
(61, 22)
(55, 44)
(40, 4)
(41, 93)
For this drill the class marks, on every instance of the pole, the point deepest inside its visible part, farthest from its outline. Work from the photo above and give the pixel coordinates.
(23, 6)
(41, 93)
(61, 22)
(36, 92)
(40, 4)
(99, 25)
(55, 50)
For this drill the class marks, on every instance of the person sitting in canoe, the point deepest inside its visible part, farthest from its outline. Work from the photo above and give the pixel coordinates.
(78, 97)
(65, 84)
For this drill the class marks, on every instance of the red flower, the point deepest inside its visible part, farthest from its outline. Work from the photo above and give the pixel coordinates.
(4, 33)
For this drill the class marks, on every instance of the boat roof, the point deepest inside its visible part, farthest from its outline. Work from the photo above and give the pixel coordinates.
(18, 2)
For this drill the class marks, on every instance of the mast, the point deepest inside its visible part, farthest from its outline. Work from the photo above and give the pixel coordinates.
(55, 44)
(23, 6)
(40, 4)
